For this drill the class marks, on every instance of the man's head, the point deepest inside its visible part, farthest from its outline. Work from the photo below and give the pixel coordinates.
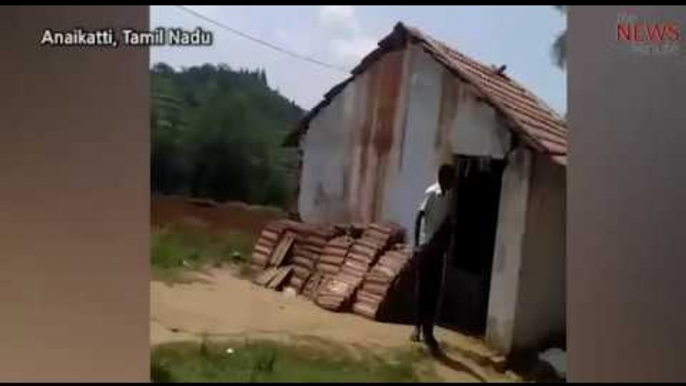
(446, 176)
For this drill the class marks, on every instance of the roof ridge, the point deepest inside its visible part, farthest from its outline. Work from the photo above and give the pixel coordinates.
(444, 49)
(527, 114)
(444, 46)
(416, 32)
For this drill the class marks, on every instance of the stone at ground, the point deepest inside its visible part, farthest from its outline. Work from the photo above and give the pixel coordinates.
(289, 293)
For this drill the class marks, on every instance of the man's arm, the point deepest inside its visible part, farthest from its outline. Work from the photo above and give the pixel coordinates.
(420, 216)
(418, 226)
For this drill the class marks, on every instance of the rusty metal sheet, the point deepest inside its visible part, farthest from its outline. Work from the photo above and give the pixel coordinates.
(531, 118)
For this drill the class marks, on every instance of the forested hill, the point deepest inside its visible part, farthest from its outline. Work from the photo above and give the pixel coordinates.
(217, 133)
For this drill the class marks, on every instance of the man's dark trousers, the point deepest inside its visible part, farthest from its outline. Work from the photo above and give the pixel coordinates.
(429, 279)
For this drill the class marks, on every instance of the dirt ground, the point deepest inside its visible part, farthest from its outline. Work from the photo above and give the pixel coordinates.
(225, 306)
(221, 305)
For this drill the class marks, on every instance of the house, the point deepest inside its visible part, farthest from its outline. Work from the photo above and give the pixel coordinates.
(375, 142)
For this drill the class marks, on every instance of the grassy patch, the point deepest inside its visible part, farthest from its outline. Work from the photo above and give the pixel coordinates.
(178, 250)
(267, 361)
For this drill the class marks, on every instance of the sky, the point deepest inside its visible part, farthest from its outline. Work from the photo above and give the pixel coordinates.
(518, 36)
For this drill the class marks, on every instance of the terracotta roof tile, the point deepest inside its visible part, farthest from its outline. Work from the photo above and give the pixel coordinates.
(535, 122)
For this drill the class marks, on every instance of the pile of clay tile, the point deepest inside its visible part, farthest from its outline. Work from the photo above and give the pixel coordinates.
(371, 297)
(266, 243)
(287, 251)
(337, 292)
(329, 263)
(308, 247)
(333, 256)
(335, 266)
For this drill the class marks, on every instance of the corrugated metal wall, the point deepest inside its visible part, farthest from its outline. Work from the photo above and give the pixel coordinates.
(374, 150)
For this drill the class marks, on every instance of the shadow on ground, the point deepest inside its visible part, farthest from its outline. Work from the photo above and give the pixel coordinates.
(442, 357)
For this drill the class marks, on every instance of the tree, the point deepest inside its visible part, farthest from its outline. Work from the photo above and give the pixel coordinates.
(559, 49)
(163, 68)
(263, 77)
(217, 133)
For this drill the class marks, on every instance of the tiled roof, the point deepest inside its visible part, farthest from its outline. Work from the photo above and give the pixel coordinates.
(535, 122)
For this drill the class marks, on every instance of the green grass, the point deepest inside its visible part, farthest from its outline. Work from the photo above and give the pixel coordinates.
(267, 361)
(175, 251)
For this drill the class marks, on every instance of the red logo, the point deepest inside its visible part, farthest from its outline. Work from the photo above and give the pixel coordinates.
(648, 32)
(648, 36)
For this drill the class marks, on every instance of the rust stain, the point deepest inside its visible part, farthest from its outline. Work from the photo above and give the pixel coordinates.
(407, 73)
(365, 137)
(447, 110)
(353, 146)
(320, 195)
(376, 134)
(346, 184)
(387, 96)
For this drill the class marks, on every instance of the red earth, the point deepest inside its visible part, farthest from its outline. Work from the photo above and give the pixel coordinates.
(213, 217)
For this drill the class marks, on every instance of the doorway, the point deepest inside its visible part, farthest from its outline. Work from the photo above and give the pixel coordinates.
(469, 262)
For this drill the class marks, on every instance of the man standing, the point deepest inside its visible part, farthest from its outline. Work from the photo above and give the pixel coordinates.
(433, 230)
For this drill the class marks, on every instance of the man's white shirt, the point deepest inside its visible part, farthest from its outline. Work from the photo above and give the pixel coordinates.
(436, 207)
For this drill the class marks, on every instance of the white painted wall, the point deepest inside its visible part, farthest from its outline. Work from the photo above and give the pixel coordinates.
(528, 300)
(417, 162)
(508, 250)
(472, 128)
(541, 301)
(327, 158)
(476, 129)
(421, 142)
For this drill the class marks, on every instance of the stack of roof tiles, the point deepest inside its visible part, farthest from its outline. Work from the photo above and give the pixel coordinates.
(335, 266)
(337, 292)
(364, 251)
(309, 245)
(312, 285)
(266, 243)
(333, 255)
(372, 295)
(361, 256)
(384, 234)
(293, 245)
(353, 230)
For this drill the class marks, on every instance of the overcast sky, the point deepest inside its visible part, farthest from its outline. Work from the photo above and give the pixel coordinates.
(519, 36)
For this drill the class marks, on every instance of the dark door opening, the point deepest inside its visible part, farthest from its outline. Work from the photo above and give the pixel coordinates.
(469, 264)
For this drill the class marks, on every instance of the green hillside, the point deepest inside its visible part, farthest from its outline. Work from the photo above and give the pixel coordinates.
(217, 133)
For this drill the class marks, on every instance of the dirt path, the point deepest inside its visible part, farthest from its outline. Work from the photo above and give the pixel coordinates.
(224, 305)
